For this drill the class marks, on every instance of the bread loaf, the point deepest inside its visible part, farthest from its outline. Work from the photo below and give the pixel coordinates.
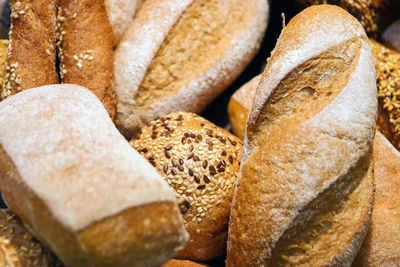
(85, 48)
(179, 55)
(305, 187)
(18, 248)
(388, 74)
(86, 193)
(200, 161)
(391, 36)
(120, 13)
(31, 58)
(239, 106)
(182, 263)
(382, 243)
(3, 58)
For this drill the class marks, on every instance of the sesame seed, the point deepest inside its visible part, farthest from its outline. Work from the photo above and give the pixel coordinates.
(181, 161)
(190, 156)
(204, 164)
(196, 179)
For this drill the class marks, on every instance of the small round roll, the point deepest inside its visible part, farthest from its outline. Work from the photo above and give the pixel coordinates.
(200, 161)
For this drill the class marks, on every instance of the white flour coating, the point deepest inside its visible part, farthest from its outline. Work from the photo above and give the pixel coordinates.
(68, 152)
(120, 14)
(225, 69)
(138, 47)
(391, 36)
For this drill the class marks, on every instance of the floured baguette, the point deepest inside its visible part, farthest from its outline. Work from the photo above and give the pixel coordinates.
(382, 243)
(178, 55)
(31, 58)
(120, 13)
(85, 48)
(305, 188)
(77, 184)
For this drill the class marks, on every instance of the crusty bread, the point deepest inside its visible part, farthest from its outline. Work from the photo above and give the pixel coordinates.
(31, 58)
(85, 48)
(3, 58)
(200, 161)
(120, 13)
(86, 193)
(182, 263)
(167, 61)
(363, 10)
(382, 243)
(18, 248)
(387, 64)
(305, 188)
(239, 106)
(391, 36)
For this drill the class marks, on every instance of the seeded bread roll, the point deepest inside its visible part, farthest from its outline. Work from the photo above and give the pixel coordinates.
(387, 64)
(120, 13)
(85, 48)
(18, 248)
(239, 105)
(31, 58)
(382, 243)
(305, 188)
(65, 165)
(178, 55)
(182, 263)
(200, 161)
(391, 36)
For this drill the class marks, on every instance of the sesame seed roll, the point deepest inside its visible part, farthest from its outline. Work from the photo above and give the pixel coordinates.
(200, 161)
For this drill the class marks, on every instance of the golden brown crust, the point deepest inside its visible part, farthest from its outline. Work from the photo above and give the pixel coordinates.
(363, 10)
(387, 64)
(239, 105)
(182, 263)
(382, 243)
(3, 58)
(31, 58)
(85, 43)
(305, 188)
(200, 161)
(18, 248)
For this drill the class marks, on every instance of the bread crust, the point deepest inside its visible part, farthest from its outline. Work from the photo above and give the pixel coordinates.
(148, 230)
(28, 65)
(85, 48)
(306, 176)
(382, 243)
(139, 47)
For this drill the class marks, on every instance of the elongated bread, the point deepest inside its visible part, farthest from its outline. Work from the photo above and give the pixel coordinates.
(391, 36)
(178, 55)
(85, 48)
(77, 184)
(120, 13)
(31, 58)
(305, 188)
(18, 248)
(239, 106)
(200, 161)
(382, 243)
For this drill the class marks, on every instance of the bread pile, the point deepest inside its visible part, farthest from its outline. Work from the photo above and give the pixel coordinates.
(105, 159)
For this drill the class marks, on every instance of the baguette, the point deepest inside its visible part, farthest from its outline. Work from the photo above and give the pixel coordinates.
(31, 58)
(120, 13)
(200, 161)
(305, 188)
(382, 243)
(18, 248)
(87, 195)
(178, 55)
(85, 48)
(391, 36)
